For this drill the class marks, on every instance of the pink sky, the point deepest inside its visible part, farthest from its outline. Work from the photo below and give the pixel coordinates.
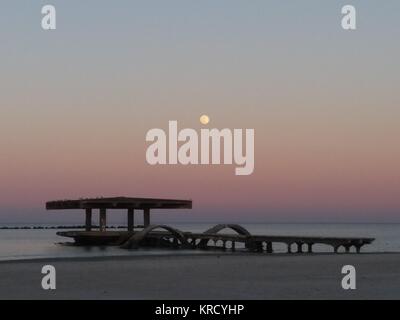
(76, 105)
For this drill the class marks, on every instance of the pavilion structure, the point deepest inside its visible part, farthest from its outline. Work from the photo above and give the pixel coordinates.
(128, 203)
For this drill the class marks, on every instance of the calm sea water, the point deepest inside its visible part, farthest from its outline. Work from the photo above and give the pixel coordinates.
(31, 244)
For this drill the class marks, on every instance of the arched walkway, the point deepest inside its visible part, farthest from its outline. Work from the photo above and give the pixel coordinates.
(235, 227)
(134, 241)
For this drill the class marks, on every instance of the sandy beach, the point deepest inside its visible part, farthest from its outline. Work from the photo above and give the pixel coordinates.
(211, 276)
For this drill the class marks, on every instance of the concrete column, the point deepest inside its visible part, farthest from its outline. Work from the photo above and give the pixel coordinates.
(88, 222)
(103, 220)
(289, 248)
(336, 249)
(146, 217)
(269, 247)
(130, 219)
(299, 247)
(310, 247)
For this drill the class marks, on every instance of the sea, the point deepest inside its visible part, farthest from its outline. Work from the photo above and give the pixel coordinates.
(23, 244)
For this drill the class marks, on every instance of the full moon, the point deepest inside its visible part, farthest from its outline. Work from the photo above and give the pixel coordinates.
(204, 119)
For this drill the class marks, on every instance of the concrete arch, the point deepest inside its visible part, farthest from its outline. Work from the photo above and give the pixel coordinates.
(134, 241)
(217, 228)
(235, 227)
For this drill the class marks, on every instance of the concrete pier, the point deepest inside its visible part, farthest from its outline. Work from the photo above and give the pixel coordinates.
(149, 235)
(169, 236)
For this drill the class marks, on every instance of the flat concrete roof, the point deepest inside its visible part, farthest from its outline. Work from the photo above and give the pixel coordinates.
(119, 203)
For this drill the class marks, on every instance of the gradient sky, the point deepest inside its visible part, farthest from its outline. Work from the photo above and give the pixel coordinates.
(76, 103)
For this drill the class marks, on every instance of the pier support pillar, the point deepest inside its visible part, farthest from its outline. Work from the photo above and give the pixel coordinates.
(358, 249)
(310, 247)
(289, 248)
(233, 246)
(269, 247)
(103, 220)
(347, 247)
(259, 246)
(299, 247)
(146, 217)
(336, 249)
(130, 219)
(88, 222)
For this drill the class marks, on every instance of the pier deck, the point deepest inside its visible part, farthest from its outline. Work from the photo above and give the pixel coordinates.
(192, 240)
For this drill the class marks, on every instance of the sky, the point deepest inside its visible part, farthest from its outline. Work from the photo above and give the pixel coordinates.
(76, 104)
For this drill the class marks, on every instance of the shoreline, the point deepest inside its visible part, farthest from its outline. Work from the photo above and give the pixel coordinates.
(188, 254)
(209, 276)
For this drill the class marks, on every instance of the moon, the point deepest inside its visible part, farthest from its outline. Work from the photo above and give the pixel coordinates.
(204, 119)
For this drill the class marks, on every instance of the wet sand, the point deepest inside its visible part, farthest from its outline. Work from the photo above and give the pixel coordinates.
(214, 276)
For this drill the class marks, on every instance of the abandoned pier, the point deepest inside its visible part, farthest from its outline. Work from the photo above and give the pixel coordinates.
(150, 235)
